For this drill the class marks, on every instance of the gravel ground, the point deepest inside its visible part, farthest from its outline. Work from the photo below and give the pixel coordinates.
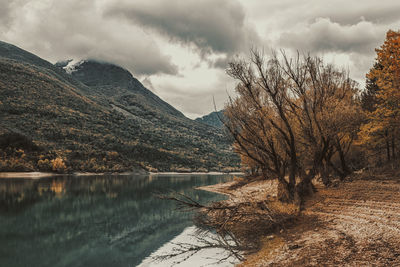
(356, 223)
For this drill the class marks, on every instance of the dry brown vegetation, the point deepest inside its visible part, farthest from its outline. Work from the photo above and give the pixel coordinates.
(296, 118)
(291, 118)
(355, 223)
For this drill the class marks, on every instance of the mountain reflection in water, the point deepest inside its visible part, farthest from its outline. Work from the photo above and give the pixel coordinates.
(92, 220)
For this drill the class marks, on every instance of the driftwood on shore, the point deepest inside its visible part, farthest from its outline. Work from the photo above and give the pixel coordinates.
(237, 224)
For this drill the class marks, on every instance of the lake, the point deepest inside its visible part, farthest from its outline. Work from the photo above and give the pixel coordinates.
(93, 220)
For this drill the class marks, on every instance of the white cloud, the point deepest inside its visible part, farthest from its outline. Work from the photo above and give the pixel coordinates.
(76, 29)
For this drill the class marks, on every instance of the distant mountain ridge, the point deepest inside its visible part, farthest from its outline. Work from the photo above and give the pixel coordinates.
(213, 119)
(12, 52)
(113, 81)
(98, 118)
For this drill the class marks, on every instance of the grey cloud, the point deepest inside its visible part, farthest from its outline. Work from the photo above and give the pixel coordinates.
(134, 34)
(195, 106)
(211, 26)
(326, 36)
(347, 32)
(5, 14)
(289, 12)
(361, 65)
(58, 30)
(196, 102)
(222, 62)
(383, 12)
(148, 84)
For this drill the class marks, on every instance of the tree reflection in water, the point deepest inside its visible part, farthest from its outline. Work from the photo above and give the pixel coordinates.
(92, 220)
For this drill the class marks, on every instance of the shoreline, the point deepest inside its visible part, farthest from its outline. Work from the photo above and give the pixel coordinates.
(356, 214)
(221, 188)
(25, 175)
(194, 173)
(251, 191)
(39, 175)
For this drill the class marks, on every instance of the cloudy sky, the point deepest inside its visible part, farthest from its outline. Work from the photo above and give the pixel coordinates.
(180, 48)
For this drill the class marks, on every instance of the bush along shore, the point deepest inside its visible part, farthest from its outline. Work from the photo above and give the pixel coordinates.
(19, 153)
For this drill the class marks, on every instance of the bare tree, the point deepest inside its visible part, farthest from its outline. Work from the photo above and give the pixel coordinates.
(290, 117)
(229, 221)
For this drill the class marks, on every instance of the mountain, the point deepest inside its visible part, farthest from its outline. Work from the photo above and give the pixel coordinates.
(213, 119)
(119, 86)
(95, 117)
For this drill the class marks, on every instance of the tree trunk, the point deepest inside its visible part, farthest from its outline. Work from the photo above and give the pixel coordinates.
(325, 174)
(388, 150)
(303, 190)
(393, 147)
(292, 175)
(387, 146)
(341, 174)
(284, 192)
(345, 169)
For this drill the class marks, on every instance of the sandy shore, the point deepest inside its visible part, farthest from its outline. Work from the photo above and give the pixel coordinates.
(356, 223)
(27, 175)
(194, 173)
(257, 190)
(38, 175)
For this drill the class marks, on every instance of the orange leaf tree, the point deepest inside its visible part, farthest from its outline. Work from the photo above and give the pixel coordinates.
(382, 128)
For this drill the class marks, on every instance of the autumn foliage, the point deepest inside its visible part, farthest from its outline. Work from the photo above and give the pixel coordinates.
(296, 118)
(292, 118)
(58, 165)
(381, 131)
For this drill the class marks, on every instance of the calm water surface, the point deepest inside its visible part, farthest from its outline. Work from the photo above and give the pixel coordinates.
(92, 220)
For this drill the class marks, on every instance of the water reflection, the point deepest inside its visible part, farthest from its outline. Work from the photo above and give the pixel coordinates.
(92, 221)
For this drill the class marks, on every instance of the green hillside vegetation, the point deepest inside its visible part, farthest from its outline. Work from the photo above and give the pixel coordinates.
(98, 119)
(213, 119)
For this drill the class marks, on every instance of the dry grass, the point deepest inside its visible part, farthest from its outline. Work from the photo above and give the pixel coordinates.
(355, 223)
(256, 212)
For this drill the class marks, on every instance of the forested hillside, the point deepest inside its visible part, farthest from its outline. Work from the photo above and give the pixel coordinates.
(98, 118)
(213, 119)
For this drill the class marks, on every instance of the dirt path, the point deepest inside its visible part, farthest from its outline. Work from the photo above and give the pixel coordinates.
(354, 224)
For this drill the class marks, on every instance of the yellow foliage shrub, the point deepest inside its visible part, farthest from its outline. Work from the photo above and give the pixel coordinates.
(58, 165)
(112, 154)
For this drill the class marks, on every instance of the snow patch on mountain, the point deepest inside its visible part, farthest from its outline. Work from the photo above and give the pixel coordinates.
(72, 65)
